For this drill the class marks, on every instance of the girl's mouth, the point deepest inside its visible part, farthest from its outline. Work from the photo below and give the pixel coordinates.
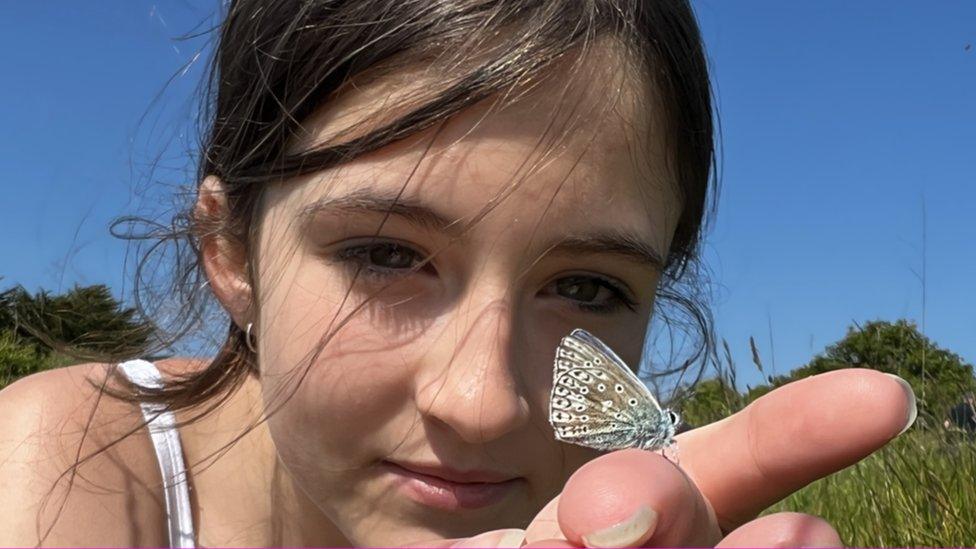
(435, 491)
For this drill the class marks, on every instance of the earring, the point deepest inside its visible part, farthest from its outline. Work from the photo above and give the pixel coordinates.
(249, 338)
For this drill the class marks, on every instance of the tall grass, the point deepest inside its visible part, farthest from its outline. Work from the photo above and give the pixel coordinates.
(918, 490)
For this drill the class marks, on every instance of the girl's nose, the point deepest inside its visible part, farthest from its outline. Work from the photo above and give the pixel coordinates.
(469, 381)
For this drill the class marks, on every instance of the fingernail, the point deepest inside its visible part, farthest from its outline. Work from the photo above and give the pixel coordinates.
(633, 531)
(912, 407)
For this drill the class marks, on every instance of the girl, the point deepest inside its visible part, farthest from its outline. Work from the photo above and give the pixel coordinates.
(402, 207)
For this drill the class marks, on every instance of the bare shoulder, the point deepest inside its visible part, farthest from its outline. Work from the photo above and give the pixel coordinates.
(52, 419)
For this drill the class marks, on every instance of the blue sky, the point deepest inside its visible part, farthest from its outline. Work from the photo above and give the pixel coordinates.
(839, 120)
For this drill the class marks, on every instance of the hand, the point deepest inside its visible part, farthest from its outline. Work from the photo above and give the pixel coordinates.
(729, 472)
(733, 469)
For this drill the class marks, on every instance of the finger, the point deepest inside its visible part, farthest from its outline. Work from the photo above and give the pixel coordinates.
(508, 537)
(792, 436)
(553, 542)
(784, 530)
(545, 525)
(438, 542)
(632, 498)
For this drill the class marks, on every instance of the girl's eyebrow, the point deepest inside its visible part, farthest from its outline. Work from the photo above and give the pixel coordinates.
(609, 243)
(366, 201)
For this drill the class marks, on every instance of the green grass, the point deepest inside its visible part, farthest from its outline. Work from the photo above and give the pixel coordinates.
(918, 490)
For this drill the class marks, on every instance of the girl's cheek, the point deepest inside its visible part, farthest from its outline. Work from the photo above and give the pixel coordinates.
(363, 355)
(354, 397)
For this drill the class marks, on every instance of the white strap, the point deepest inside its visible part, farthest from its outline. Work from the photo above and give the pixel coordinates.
(169, 451)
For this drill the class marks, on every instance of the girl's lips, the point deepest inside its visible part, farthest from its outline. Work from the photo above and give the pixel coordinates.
(445, 494)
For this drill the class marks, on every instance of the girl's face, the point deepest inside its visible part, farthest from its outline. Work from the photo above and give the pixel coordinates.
(447, 371)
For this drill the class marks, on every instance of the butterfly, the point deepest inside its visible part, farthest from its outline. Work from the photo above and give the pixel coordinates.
(598, 402)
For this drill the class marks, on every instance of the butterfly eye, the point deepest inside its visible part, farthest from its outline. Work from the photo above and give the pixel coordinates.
(675, 418)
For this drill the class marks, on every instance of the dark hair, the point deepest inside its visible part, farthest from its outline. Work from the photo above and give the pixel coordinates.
(275, 63)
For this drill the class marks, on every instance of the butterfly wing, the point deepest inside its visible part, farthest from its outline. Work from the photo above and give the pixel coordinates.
(583, 350)
(596, 400)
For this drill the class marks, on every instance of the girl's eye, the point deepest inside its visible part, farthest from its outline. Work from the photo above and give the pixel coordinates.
(593, 294)
(391, 256)
(580, 288)
(382, 258)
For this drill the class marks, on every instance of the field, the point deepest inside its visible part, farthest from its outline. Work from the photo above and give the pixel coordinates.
(919, 490)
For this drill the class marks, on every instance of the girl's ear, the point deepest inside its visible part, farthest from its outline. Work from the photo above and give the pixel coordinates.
(224, 257)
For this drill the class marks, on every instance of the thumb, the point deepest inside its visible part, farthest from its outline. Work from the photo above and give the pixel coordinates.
(508, 537)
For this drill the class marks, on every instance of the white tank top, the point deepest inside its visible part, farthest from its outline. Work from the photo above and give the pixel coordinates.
(169, 453)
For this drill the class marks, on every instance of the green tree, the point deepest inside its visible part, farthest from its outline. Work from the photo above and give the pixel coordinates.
(938, 376)
(12, 301)
(85, 322)
(19, 358)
